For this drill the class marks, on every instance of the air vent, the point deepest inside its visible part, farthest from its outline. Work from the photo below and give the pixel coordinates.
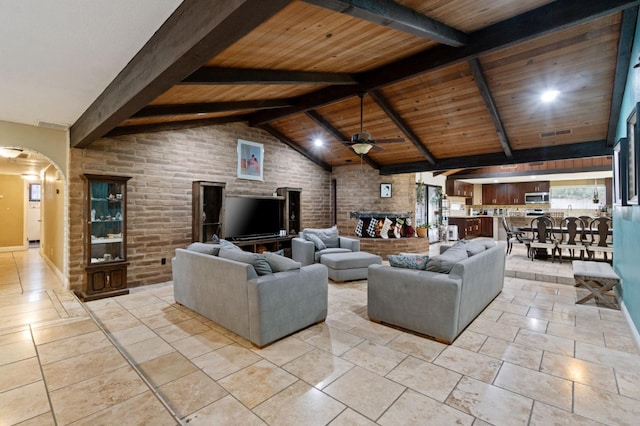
(55, 126)
(537, 163)
(509, 166)
(555, 133)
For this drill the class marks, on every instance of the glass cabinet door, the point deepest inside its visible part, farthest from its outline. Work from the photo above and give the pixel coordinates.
(106, 222)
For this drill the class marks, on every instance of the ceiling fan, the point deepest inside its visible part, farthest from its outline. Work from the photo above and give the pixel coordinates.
(362, 142)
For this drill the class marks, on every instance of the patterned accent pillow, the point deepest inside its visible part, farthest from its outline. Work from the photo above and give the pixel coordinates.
(408, 261)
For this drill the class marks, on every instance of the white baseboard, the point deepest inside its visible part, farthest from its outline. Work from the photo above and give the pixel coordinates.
(634, 331)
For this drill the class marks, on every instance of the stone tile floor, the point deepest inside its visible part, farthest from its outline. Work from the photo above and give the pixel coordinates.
(532, 357)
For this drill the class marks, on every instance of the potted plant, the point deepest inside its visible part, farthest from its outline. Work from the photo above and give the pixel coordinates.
(422, 230)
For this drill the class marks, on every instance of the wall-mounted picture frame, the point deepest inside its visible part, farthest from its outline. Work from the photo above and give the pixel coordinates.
(620, 172)
(632, 156)
(250, 160)
(385, 190)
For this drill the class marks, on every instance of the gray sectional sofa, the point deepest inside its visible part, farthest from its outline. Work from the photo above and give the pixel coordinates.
(438, 304)
(226, 288)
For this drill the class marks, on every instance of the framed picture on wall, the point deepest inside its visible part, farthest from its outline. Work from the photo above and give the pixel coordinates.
(632, 156)
(250, 160)
(385, 190)
(620, 172)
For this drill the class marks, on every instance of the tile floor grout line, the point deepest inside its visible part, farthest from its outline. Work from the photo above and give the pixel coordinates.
(130, 362)
(44, 380)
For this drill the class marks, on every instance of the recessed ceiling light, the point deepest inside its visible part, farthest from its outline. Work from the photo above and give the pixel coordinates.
(496, 181)
(534, 177)
(317, 142)
(549, 95)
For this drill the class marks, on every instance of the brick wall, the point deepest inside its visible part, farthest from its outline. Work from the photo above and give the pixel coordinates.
(162, 167)
(358, 190)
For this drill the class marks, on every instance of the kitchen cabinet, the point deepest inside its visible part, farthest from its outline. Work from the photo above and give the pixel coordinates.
(486, 227)
(510, 193)
(456, 188)
(467, 227)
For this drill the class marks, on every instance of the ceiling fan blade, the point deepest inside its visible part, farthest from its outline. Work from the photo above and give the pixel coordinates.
(388, 140)
(376, 148)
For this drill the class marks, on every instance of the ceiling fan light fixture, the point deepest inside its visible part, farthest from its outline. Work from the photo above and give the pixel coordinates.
(10, 152)
(361, 148)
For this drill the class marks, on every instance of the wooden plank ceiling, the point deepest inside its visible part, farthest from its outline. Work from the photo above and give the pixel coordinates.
(458, 80)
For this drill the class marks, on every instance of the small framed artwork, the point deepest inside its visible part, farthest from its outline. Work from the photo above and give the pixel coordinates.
(632, 156)
(250, 160)
(620, 172)
(385, 190)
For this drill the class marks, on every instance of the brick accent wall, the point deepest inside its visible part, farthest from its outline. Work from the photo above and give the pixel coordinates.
(358, 190)
(162, 166)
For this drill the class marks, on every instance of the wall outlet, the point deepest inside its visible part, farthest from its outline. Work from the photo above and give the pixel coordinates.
(163, 261)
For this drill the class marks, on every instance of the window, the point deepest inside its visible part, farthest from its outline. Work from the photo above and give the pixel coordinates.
(34, 192)
(579, 197)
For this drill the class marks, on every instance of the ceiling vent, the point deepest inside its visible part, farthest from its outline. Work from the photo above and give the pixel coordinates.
(555, 133)
(509, 166)
(55, 126)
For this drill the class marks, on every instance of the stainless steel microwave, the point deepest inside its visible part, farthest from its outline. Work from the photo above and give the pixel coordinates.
(536, 197)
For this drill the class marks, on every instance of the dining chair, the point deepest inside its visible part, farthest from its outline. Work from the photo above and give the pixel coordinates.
(543, 236)
(572, 229)
(585, 230)
(514, 236)
(600, 240)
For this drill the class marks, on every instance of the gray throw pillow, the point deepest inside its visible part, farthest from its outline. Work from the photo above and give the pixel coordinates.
(486, 242)
(258, 261)
(408, 261)
(320, 245)
(280, 263)
(204, 248)
(329, 236)
(474, 248)
(444, 262)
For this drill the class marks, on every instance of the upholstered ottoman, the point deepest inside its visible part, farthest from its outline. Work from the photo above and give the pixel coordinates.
(349, 266)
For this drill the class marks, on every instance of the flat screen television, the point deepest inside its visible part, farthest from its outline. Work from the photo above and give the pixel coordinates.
(247, 217)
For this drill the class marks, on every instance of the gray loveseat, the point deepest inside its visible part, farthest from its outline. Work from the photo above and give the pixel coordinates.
(437, 304)
(312, 243)
(260, 308)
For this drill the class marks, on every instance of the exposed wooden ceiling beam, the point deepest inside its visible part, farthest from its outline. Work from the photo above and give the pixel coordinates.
(193, 34)
(552, 17)
(393, 15)
(221, 76)
(557, 152)
(483, 87)
(625, 44)
(402, 125)
(209, 107)
(284, 139)
(602, 168)
(173, 125)
(337, 134)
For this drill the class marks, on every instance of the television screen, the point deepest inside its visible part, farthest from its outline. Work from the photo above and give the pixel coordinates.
(247, 217)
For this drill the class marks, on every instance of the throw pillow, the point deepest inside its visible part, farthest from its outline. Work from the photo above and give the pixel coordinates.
(204, 248)
(258, 261)
(408, 261)
(444, 262)
(320, 245)
(329, 236)
(228, 244)
(474, 248)
(280, 263)
(487, 243)
(278, 252)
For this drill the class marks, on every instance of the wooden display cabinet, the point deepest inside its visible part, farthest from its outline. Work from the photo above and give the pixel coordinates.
(105, 216)
(291, 209)
(207, 210)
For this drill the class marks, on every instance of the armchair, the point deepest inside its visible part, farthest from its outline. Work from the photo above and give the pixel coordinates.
(312, 243)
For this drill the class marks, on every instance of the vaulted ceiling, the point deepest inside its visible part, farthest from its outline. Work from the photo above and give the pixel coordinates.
(458, 80)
